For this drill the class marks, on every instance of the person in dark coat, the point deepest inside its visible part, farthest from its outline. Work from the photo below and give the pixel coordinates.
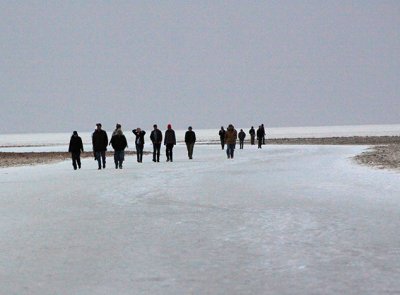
(222, 136)
(252, 133)
(190, 139)
(169, 142)
(117, 126)
(100, 142)
(139, 143)
(263, 133)
(230, 139)
(260, 135)
(119, 144)
(75, 148)
(156, 138)
(242, 136)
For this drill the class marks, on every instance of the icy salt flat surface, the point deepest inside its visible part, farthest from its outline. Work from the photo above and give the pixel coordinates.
(281, 220)
(59, 141)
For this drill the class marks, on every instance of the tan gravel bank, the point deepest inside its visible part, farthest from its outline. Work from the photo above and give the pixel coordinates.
(384, 154)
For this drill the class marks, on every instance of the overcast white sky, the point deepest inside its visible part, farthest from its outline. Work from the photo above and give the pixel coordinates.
(66, 65)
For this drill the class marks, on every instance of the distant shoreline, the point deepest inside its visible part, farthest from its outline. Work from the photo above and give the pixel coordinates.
(385, 152)
(342, 140)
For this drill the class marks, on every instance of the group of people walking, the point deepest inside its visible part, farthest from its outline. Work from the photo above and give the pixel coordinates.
(119, 143)
(230, 135)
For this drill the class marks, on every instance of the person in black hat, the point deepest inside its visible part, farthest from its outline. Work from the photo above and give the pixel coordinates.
(75, 148)
(100, 142)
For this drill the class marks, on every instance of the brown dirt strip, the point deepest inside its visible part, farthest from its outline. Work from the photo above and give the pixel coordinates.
(31, 158)
(384, 154)
(382, 157)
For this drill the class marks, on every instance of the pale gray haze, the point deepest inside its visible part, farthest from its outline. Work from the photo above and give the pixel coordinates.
(66, 65)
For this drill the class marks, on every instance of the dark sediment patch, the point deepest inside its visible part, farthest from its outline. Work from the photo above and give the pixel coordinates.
(10, 159)
(382, 156)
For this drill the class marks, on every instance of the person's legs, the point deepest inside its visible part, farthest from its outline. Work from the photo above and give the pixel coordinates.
(78, 159)
(103, 157)
(190, 147)
(168, 149)
(98, 158)
(73, 156)
(116, 159)
(121, 158)
(232, 150)
(158, 150)
(171, 152)
(140, 152)
(167, 152)
(154, 151)
(228, 152)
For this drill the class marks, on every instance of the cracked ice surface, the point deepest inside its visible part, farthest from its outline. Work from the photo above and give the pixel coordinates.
(281, 220)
